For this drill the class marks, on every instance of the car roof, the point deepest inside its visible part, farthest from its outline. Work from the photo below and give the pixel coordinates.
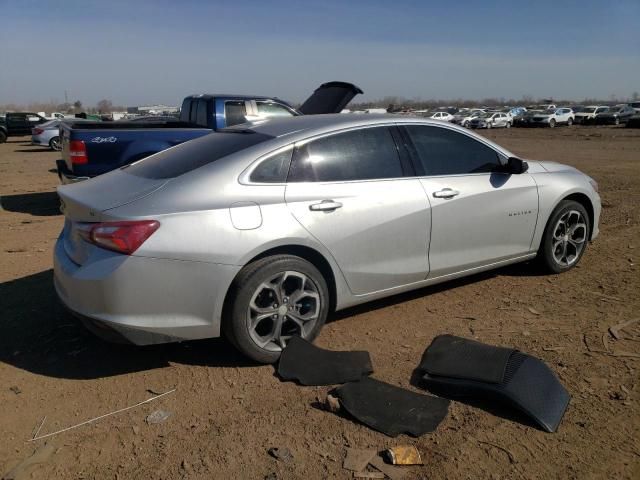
(308, 125)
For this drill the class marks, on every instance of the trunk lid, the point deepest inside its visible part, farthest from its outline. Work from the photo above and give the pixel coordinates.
(330, 97)
(85, 202)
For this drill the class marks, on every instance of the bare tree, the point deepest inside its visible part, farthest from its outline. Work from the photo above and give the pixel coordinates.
(77, 106)
(104, 106)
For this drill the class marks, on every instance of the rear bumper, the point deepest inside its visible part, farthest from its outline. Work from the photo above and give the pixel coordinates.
(65, 175)
(143, 300)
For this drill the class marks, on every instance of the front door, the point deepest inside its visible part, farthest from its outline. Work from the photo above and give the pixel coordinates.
(350, 192)
(479, 215)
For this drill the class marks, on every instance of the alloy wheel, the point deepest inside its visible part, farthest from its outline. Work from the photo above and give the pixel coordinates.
(569, 238)
(286, 304)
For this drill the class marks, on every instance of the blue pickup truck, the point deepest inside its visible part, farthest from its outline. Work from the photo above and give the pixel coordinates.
(90, 149)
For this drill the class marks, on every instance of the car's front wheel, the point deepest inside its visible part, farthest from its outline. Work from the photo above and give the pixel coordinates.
(552, 123)
(565, 237)
(54, 143)
(508, 125)
(273, 299)
(569, 122)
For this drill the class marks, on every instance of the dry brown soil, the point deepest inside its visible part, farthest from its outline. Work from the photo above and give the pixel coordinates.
(226, 412)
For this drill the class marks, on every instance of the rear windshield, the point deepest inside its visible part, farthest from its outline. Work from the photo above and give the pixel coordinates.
(194, 154)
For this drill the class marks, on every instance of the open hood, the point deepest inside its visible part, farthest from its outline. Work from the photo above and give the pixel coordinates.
(330, 97)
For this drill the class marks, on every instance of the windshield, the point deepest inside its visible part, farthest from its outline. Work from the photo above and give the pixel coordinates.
(188, 156)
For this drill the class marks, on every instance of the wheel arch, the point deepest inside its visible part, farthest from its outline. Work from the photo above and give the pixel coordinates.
(585, 201)
(309, 254)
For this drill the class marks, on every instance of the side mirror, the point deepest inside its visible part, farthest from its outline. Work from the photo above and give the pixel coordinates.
(516, 166)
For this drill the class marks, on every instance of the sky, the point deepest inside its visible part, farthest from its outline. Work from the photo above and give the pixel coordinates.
(145, 52)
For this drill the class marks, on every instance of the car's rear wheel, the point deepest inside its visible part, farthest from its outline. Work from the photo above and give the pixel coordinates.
(616, 121)
(552, 123)
(3, 137)
(488, 125)
(569, 122)
(565, 237)
(508, 125)
(273, 299)
(54, 143)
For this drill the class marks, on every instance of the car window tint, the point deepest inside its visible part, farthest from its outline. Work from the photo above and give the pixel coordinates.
(442, 151)
(273, 169)
(266, 109)
(194, 154)
(363, 154)
(235, 112)
(201, 118)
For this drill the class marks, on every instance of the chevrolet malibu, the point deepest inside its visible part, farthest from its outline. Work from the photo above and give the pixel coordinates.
(259, 231)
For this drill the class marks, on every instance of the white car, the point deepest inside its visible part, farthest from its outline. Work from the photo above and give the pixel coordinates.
(553, 118)
(444, 116)
(588, 114)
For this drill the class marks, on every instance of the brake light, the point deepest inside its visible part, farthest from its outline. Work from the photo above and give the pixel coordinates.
(37, 131)
(78, 152)
(121, 237)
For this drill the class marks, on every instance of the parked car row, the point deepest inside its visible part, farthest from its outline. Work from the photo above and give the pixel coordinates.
(545, 115)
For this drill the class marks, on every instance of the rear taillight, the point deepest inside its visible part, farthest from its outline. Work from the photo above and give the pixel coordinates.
(121, 237)
(78, 152)
(37, 131)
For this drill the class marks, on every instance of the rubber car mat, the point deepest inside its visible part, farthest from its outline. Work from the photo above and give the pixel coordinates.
(390, 409)
(451, 356)
(527, 383)
(310, 365)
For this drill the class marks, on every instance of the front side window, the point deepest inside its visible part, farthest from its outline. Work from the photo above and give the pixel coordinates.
(268, 109)
(442, 151)
(364, 154)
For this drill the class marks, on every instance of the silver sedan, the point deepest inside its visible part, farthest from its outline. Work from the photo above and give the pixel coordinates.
(261, 230)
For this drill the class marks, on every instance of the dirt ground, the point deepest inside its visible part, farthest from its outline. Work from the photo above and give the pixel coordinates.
(226, 412)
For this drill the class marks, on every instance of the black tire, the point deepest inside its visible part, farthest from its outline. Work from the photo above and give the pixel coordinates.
(545, 256)
(488, 126)
(569, 122)
(616, 121)
(236, 319)
(508, 125)
(3, 136)
(552, 122)
(54, 144)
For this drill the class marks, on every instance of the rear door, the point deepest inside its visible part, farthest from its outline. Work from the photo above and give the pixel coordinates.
(350, 191)
(17, 124)
(478, 214)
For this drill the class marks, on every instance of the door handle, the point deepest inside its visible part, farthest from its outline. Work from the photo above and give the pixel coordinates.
(446, 193)
(325, 206)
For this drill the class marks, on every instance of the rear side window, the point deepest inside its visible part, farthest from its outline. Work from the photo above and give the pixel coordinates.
(274, 169)
(201, 117)
(442, 151)
(364, 154)
(188, 156)
(235, 112)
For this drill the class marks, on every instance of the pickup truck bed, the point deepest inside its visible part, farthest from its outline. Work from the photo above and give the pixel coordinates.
(91, 149)
(108, 146)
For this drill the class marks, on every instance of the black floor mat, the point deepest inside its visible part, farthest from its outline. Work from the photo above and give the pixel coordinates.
(311, 365)
(450, 356)
(526, 382)
(392, 410)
